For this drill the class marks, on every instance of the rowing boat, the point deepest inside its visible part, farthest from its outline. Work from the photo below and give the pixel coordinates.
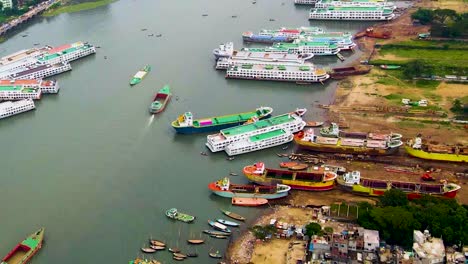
(233, 215)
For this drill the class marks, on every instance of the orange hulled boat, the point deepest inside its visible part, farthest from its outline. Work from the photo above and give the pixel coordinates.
(249, 201)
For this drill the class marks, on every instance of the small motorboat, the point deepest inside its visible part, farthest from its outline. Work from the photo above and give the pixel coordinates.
(148, 250)
(313, 124)
(196, 241)
(192, 255)
(233, 215)
(226, 222)
(177, 258)
(155, 242)
(150, 35)
(143, 29)
(219, 236)
(157, 247)
(233, 174)
(215, 233)
(288, 164)
(234, 16)
(219, 226)
(230, 158)
(174, 250)
(179, 255)
(205, 15)
(248, 201)
(215, 254)
(300, 166)
(203, 153)
(271, 19)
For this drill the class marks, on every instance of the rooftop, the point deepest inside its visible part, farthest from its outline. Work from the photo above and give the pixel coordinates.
(17, 88)
(305, 44)
(306, 67)
(352, 1)
(54, 53)
(350, 9)
(265, 55)
(267, 135)
(277, 120)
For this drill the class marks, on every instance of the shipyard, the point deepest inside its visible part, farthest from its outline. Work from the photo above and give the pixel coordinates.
(285, 132)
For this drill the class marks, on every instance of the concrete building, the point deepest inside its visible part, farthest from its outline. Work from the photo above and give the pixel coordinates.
(427, 250)
(371, 240)
(7, 3)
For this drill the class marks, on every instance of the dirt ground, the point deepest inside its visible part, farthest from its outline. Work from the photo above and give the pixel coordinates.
(458, 5)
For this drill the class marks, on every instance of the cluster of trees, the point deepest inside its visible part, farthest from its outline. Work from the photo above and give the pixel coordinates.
(261, 232)
(459, 108)
(444, 22)
(395, 217)
(17, 10)
(417, 68)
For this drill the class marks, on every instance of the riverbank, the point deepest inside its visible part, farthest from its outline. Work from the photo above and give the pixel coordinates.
(66, 7)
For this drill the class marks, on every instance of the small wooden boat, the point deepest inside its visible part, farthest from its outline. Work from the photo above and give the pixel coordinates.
(215, 233)
(299, 167)
(179, 255)
(219, 226)
(233, 215)
(219, 236)
(174, 250)
(192, 255)
(155, 242)
(176, 215)
(390, 67)
(157, 247)
(141, 261)
(148, 250)
(178, 258)
(26, 249)
(313, 124)
(226, 222)
(196, 241)
(160, 100)
(248, 201)
(288, 164)
(215, 254)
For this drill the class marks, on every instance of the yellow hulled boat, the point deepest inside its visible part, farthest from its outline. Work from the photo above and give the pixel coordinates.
(418, 149)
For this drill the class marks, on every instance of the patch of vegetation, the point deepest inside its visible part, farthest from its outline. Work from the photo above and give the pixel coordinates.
(342, 211)
(417, 44)
(459, 108)
(313, 229)
(388, 81)
(410, 124)
(77, 7)
(395, 217)
(261, 232)
(427, 84)
(432, 97)
(444, 22)
(396, 98)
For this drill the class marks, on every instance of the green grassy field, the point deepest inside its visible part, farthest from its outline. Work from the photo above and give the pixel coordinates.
(436, 57)
(77, 7)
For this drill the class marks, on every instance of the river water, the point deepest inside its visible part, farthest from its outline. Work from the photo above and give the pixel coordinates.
(93, 167)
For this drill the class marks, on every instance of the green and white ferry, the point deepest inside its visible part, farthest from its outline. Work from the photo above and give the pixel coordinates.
(371, 13)
(260, 134)
(66, 53)
(357, 3)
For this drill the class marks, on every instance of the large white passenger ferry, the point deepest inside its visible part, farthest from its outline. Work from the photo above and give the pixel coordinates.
(66, 53)
(224, 50)
(37, 71)
(358, 3)
(343, 40)
(19, 92)
(46, 86)
(304, 46)
(21, 55)
(306, 73)
(260, 141)
(352, 13)
(290, 122)
(240, 58)
(305, 2)
(13, 108)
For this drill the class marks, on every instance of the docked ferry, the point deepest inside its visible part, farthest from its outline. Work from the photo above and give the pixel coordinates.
(66, 53)
(46, 86)
(352, 181)
(425, 150)
(343, 40)
(225, 188)
(224, 50)
(314, 179)
(19, 92)
(279, 35)
(357, 3)
(305, 2)
(37, 72)
(303, 74)
(314, 47)
(21, 56)
(259, 142)
(186, 124)
(352, 13)
(289, 122)
(240, 58)
(17, 107)
(265, 38)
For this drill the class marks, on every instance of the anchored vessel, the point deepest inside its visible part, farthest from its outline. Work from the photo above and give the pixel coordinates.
(19, 92)
(358, 3)
(224, 50)
(26, 249)
(13, 108)
(291, 122)
(174, 214)
(46, 86)
(305, 2)
(225, 188)
(160, 100)
(140, 75)
(279, 35)
(304, 74)
(352, 13)
(185, 123)
(247, 57)
(248, 201)
(36, 71)
(315, 179)
(260, 141)
(342, 39)
(21, 56)
(352, 181)
(66, 53)
(455, 153)
(352, 143)
(304, 46)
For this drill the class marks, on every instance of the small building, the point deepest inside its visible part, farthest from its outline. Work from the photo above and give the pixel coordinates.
(427, 250)
(371, 239)
(7, 3)
(319, 248)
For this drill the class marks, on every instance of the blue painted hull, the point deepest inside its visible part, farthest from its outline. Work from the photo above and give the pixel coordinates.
(217, 128)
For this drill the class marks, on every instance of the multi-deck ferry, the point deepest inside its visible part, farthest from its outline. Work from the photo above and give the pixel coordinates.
(352, 13)
(260, 141)
(13, 108)
(37, 72)
(305, 73)
(19, 92)
(224, 50)
(240, 58)
(357, 3)
(21, 55)
(279, 35)
(305, 2)
(343, 40)
(289, 123)
(314, 47)
(18, 65)
(66, 53)
(46, 86)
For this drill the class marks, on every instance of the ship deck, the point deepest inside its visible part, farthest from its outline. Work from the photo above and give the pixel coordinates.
(19, 82)
(275, 67)
(326, 44)
(248, 55)
(18, 88)
(267, 135)
(17, 257)
(277, 120)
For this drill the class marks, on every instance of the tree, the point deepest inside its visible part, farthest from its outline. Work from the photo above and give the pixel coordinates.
(441, 15)
(313, 229)
(394, 197)
(1, 5)
(417, 68)
(425, 16)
